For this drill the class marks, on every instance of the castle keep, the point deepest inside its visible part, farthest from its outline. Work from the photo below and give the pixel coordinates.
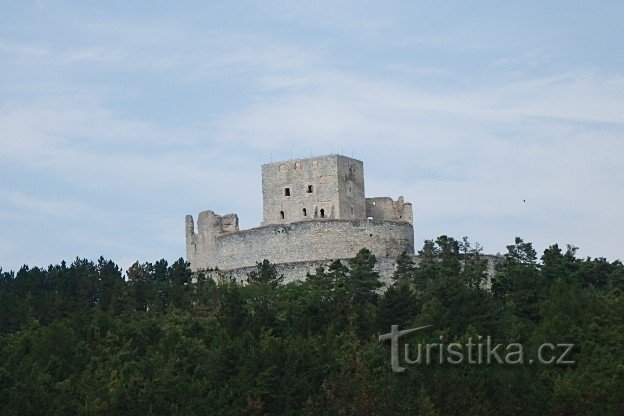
(314, 211)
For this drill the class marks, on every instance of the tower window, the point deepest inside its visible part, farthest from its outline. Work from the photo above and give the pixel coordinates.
(287, 192)
(305, 212)
(322, 213)
(309, 189)
(351, 210)
(282, 214)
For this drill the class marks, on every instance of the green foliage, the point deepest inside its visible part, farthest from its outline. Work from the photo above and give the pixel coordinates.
(82, 339)
(265, 273)
(363, 281)
(518, 280)
(405, 268)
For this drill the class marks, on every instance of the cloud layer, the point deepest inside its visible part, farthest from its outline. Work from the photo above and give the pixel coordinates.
(115, 123)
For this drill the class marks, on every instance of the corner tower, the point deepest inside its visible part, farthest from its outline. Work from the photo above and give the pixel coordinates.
(317, 188)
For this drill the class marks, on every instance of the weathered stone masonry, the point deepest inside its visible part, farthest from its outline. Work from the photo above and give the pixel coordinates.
(314, 210)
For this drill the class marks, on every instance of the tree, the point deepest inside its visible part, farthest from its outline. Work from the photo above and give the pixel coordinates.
(474, 266)
(405, 268)
(518, 279)
(363, 281)
(265, 273)
(398, 306)
(436, 259)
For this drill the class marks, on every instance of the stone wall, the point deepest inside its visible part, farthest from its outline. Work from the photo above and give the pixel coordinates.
(386, 209)
(215, 246)
(200, 245)
(297, 271)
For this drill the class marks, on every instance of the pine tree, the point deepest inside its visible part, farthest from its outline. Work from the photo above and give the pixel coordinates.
(363, 280)
(265, 273)
(405, 268)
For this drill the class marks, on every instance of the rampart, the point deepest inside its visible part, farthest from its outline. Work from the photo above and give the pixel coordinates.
(385, 266)
(219, 244)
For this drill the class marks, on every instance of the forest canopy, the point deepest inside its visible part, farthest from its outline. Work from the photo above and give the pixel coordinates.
(87, 339)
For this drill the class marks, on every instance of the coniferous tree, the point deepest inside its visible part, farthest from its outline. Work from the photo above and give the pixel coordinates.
(363, 281)
(405, 268)
(265, 273)
(518, 279)
(72, 344)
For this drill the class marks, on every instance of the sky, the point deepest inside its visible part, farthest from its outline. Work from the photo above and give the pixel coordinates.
(495, 119)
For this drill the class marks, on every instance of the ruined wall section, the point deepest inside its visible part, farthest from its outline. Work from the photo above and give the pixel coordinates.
(201, 245)
(386, 209)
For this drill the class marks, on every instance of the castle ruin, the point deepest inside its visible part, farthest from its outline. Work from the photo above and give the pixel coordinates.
(314, 211)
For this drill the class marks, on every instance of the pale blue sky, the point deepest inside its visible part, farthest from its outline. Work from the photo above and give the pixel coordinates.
(116, 120)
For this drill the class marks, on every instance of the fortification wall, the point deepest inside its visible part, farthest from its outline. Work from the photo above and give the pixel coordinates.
(298, 271)
(312, 241)
(219, 244)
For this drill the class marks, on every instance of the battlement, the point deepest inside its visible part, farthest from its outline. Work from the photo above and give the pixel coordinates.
(314, 209)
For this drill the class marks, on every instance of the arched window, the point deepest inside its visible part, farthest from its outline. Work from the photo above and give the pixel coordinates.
(305, 212)
(322, 213)
(282, 214)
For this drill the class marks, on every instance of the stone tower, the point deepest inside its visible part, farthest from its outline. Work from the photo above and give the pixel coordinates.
(328, 187)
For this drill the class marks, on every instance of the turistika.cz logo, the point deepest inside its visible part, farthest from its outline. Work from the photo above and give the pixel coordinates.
(475, 352)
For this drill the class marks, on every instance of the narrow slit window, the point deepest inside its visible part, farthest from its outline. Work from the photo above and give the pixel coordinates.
(286, 191)
(309, 189)
(305, 212)
(282, 214)
(322, 213)
(351, 210)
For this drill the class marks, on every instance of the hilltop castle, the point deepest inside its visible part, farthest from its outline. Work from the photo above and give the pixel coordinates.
(314, 211)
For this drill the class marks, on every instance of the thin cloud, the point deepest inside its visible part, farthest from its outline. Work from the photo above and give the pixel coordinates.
(141, 119)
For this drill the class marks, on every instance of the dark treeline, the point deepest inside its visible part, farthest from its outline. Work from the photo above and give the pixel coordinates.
(82, 339)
